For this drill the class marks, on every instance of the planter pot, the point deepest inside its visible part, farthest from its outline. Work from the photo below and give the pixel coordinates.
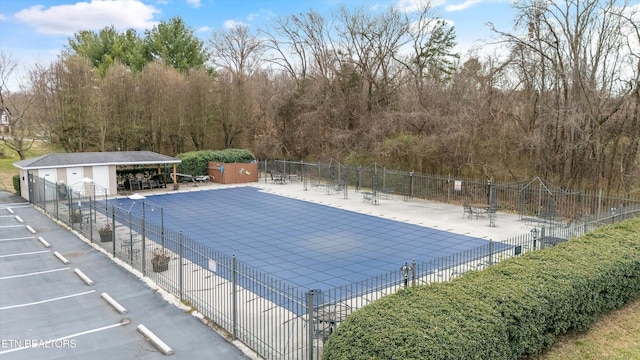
(105, 237)
(160, 265)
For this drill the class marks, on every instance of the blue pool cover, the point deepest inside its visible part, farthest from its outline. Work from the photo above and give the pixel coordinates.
(310, 245)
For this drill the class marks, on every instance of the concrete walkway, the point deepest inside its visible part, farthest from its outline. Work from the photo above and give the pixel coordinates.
(421, 212)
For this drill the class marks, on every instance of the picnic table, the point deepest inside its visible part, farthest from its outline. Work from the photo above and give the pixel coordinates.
(480, 209)
(477, 210)
(369, 196)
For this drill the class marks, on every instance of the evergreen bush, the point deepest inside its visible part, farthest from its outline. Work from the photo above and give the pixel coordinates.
(511, 310)
(16, 184)
(197, 162)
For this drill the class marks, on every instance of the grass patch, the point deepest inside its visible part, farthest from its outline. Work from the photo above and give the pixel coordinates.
(616, 335)
(7, 170)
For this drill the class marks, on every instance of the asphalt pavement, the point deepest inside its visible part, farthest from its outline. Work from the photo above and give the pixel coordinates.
(61, 298)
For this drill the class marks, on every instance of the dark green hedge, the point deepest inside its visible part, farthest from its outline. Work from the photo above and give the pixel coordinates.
(16, 184)
(511, 310)
(197, 162)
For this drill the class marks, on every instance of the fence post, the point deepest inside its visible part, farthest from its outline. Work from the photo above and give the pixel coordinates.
(384, 177)
(411, 184)
(449, 189)
(113, 233)
(57, 206)
(413, 273)
(303, 173)
(162, 226)
(180, 244)
(310, 326)
(599, 203)
(130, 239)
(490, 262)
(144, 233)
(234, 294)
(346, 183)
(91, 221)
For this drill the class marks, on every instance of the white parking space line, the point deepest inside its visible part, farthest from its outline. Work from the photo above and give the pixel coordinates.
(46, 343)
(27, 253)
(20, 238)
(33, 273)
(47, 300)
(10, 226)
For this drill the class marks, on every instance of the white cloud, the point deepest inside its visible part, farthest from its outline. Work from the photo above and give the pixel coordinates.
(194, 3)
(262, 13)
(93, 15)
(415, 5)
(465, 5)
(230, 24)
(205, 29)
(3, 17)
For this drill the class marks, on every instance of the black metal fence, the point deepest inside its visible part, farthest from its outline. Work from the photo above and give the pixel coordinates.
(535, 197)
(275, 318)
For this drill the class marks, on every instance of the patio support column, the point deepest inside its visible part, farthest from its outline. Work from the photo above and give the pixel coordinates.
(175, 177)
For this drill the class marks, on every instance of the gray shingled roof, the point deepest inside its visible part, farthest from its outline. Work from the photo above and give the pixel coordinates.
(95, 158)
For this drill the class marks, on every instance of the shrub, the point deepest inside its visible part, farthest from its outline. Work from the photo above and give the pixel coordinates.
(16, 184)
(197, 162)
(511, 310)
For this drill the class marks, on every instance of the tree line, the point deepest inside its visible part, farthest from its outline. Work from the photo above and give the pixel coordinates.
(561, 100)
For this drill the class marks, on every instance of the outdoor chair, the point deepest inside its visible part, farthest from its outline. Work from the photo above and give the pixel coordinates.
(387, 193)
(278, 178)
(468, 211)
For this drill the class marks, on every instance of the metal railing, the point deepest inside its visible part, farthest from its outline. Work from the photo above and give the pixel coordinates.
(529, 198)
(276, 319)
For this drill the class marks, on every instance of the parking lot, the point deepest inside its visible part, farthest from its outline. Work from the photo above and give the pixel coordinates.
(62, 298)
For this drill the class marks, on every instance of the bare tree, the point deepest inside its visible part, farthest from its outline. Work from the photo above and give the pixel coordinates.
(200, 109)
(120, 110)
(238, 53)
(15, 129)
(570, 60)
(301, 44)
(236, 50)
(431, 41)
(162, 91)
(72, 91)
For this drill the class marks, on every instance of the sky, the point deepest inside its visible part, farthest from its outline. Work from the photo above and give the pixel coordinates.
(36, 31)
